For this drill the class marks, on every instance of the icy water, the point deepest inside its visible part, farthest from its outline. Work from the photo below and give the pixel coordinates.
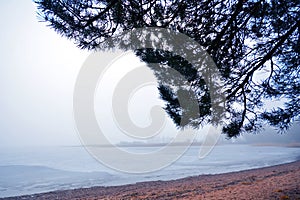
(41, 169)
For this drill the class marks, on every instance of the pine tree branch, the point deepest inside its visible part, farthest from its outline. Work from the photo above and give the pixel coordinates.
(268, 56)
(96, 17)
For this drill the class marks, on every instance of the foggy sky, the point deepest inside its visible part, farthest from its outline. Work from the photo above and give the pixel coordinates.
(37, 75)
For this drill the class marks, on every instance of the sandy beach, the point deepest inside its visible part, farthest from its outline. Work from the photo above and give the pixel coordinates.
(276, 182)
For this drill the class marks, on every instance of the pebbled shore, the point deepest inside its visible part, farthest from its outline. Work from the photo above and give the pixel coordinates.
(276, 182)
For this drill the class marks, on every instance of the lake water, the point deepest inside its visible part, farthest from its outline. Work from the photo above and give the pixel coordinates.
(41, 169)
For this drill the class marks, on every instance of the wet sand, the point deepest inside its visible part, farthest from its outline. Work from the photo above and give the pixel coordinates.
(276, 182)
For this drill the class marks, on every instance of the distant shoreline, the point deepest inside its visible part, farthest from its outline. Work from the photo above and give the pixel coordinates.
(275, 182)
(292, 145)
(295, 144)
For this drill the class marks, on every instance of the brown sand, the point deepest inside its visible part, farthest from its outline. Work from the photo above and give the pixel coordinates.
(276, 182)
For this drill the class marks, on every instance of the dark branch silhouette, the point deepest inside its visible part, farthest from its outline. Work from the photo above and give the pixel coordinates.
(254, 43)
